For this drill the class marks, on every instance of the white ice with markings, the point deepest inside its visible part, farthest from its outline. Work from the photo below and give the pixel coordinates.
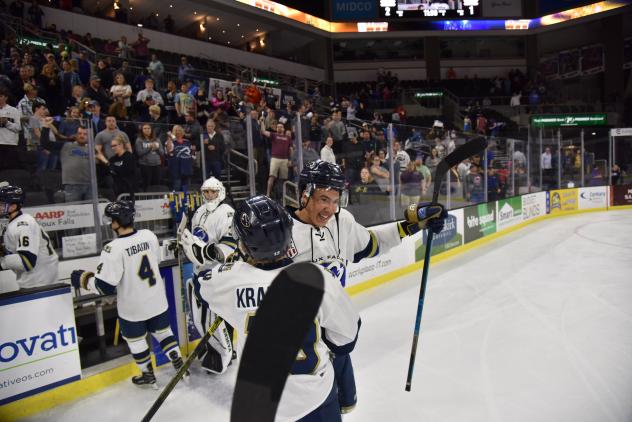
(535, 326)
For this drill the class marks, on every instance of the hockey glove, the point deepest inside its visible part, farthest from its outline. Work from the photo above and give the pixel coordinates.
(424, 215)
(79, 278)
(196, 250)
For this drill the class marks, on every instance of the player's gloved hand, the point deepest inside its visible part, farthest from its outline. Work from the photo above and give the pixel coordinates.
(424, 215)
(195, 249)
(79, 278)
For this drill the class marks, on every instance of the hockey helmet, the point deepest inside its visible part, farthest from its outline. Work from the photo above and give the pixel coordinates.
(213, 184)
(120, 211)
(10, 194)
(324, 175)
(263, 228)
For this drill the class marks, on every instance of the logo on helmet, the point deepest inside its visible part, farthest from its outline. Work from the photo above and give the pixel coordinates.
(245, 220)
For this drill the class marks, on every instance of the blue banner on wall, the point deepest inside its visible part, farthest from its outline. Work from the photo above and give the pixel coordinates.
(353, 10)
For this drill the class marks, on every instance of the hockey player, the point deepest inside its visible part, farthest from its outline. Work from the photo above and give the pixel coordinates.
(129, 267)
(235, 290)
(25, 247)
(211, 227)
(326, 233)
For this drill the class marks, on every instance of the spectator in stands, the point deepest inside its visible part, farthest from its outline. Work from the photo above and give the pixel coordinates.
(493, 185)
(520, 160)
(179, 153)
(203, 106)
(147, 98)
(380, 174)
(474, 188)
(48, 83)
(450, 74)
(237, 89)
(546, 164)
(156, 70)
(94, 113)
(481, 124)
(46, 158)
(309, 154)
(123, 49)
(411, 185)
(121, 91)
(433, 160)
(327, 152)
(25, 107)
(68, 126)
(615, 174)
(514, 103)
(141, 49)
(401, 157)
(185, 70)
(149, 151)
(214, 149)
(127, 72)
(366, 186)
(35, 14)
(85, 69)
(103, 140)
(9, 129)
(105, 74)
(67, 79)
(184, 103)
(426, 181)
(76, 98)
(352, 158)
(192, 129)
(121, 166)
(75, 164)
(96, 91)
(337, 130)
(281, 147)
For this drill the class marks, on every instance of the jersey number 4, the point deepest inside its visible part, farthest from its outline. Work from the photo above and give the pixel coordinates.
(145, 272)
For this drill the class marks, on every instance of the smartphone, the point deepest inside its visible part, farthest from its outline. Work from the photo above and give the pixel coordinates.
(57, 119)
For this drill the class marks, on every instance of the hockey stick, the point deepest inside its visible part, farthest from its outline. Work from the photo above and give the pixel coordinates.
(178, 376)
(467, 150)
(279, 328)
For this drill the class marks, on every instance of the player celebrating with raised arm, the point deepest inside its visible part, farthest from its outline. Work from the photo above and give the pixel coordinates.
(211, 242)
(25, 247)
(235, 290)
(129, 267)
(326, 233)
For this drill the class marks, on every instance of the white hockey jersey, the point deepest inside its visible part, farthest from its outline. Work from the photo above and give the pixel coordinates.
(341, 241)
(25, 239)
(130, 263)
(236, 289)
(214, 227)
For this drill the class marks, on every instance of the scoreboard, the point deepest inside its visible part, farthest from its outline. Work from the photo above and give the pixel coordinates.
(454, 9)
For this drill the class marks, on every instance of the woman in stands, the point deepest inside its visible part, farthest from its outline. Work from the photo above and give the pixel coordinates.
(121, 91)
(149, 151)
(122, 167)
(179, 158)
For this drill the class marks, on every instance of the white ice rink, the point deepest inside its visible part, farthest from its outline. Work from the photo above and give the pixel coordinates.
(535, 326)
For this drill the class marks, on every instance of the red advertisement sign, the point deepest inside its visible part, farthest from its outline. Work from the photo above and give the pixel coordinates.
(622, 195)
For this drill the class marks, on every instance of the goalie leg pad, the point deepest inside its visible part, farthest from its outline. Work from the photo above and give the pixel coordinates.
(219, 352)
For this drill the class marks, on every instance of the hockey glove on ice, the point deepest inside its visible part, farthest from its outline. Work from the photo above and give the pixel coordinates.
(424, 215)
(79, 278)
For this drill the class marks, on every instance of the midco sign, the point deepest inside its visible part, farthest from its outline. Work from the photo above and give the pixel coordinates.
(342, 10)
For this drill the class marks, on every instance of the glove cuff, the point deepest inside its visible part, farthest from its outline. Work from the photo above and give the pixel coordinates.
(85, 278)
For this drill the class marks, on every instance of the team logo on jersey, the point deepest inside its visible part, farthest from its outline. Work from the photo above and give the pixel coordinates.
(200, 233)
(245, 220)
(337, 268)
(292, 251)
(320, 234)
(107, 248)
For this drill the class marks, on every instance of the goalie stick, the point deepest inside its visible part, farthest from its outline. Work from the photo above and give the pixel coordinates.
(279, 328)
(470, 148)
(178, 376)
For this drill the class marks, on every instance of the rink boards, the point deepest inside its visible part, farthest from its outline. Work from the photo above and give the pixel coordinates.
(465, 228)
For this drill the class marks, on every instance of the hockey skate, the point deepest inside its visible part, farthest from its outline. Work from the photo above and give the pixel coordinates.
(146, 378)
(177, 362)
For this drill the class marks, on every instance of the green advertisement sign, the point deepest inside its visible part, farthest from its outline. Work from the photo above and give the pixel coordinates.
(509, 212)
(569, 120)
(428, 94)
(480, 221)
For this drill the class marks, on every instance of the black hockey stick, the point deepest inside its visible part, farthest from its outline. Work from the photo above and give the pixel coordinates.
(287, 312)
(470, 148)
(178, 376)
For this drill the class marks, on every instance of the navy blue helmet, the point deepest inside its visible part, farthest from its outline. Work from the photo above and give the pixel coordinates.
(120, 211)
(11, 195)
(321, 174)
(263, 227)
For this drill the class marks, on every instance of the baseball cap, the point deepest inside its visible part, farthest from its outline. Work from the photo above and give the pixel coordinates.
(95, 78)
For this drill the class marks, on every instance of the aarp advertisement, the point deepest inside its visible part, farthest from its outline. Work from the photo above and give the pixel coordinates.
(37, 353)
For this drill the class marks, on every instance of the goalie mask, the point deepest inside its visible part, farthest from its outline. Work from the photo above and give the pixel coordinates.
(212, 184)
(322, 175)
(263, 228)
